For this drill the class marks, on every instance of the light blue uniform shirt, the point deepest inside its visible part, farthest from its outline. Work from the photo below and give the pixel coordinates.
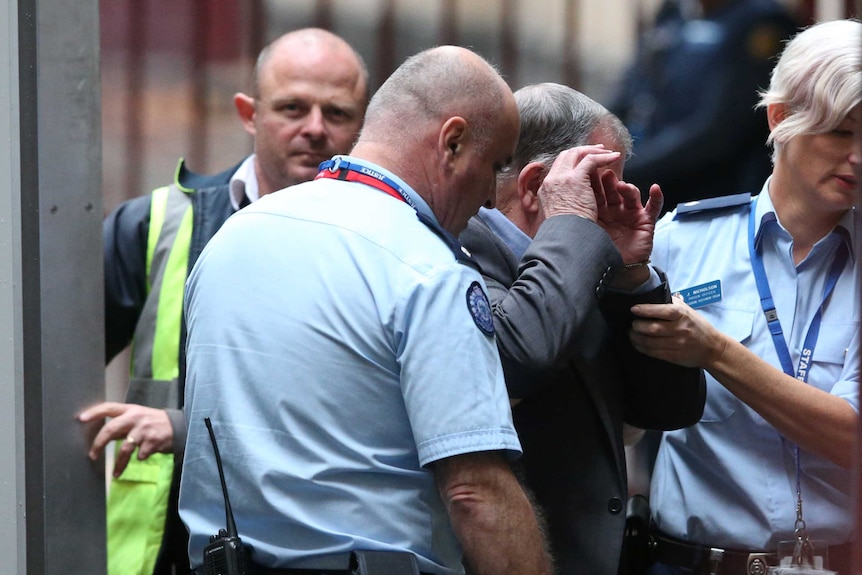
(730, 480)
(353, 365)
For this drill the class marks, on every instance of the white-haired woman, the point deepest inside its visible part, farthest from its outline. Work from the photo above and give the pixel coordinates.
(771, 313)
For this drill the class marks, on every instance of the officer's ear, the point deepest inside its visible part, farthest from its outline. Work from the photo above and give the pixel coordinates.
(776, 113)
(245, 109)
(529, 181)
(453, 140)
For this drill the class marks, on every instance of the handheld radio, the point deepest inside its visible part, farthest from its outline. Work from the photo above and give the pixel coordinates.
(225, 554)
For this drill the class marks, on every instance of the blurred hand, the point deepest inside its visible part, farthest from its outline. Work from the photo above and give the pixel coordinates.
(146, 428)
(629, 224)
(573, 182)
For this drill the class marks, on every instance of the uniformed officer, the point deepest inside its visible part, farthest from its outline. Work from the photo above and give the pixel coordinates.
(689, 97)
(341, 343)
(771, 311)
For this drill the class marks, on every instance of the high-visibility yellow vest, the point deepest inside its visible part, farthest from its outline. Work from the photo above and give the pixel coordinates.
(138, 499)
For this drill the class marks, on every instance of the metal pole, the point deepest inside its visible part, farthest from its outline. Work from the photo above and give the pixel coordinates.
(449, 22)
(323, 14)
(386, 42)
(199, 111)
(135, 79)
(509, 42)
(52, 350)
(571, 72)
(13, 542)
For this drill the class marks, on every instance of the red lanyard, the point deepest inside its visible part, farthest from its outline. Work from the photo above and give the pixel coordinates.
(372, 178)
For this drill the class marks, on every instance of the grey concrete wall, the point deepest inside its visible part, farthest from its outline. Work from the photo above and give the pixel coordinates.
(51, 349)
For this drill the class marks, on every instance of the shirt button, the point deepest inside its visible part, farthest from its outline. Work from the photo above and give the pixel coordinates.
(615, 505)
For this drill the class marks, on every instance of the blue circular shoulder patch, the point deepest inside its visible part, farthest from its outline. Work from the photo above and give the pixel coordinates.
(480, 309)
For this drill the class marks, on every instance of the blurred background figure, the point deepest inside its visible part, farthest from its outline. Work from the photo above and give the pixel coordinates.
(688, 98)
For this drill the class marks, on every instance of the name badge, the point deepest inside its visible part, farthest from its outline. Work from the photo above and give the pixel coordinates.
(701, 295)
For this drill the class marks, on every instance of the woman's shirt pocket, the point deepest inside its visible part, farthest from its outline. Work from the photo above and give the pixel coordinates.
(738, 324)
(834, 344)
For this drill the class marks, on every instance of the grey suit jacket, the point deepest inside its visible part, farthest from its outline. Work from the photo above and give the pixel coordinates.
(579, 379)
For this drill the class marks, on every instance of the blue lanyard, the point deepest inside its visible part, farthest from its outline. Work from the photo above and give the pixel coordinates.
(768, 305)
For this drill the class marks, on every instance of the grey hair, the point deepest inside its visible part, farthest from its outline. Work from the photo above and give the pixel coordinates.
(819, 78)
(555, 118)
(434, 84)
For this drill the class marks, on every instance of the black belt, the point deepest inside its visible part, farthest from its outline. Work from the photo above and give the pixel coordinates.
(705, 560)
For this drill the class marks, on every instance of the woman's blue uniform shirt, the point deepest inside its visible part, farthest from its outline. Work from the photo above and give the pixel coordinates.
(730, 480)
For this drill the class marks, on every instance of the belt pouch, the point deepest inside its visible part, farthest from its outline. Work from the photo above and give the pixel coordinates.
(383, 563)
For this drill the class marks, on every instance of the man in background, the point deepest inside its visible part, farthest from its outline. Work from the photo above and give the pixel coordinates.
(689, 97)
(309, 94)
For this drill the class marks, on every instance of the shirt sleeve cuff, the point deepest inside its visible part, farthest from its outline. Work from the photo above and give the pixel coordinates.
(178, 425)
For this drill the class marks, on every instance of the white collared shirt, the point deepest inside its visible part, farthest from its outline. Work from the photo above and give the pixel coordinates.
(243, 184)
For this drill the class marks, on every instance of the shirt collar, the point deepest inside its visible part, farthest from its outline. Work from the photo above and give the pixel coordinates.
(514, 238)
(766, 218)
(846, 230)
(243, 184)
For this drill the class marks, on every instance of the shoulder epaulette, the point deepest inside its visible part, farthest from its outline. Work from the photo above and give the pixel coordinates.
(698, 206)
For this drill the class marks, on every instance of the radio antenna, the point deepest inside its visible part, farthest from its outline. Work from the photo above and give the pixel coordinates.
(230, 524)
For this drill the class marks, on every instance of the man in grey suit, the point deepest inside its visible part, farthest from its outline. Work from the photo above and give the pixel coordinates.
(565, 256)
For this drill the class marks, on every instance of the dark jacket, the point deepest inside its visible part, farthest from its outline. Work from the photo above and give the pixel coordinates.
(124, 233)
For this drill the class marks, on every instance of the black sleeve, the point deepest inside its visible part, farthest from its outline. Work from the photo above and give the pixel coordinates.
(658, 394)
(124, 234)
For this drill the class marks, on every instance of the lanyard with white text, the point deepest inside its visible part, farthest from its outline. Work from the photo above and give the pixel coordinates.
(768, 305)
(340, 169)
